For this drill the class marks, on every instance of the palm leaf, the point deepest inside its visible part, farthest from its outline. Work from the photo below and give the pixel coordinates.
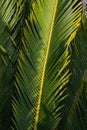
(75, 112)
(5, 79)
(42, 65)
(11, 14)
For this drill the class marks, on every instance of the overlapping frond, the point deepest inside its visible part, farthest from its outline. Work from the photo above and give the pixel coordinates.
(78, 68)
(42, 65)
(37, 97)
(12, 14)
(75, 112)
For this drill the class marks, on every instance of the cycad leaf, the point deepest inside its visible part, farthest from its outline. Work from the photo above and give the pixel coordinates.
(78, 68)
(42, 66)
(75, 112)
(5, 78)
(12, 14)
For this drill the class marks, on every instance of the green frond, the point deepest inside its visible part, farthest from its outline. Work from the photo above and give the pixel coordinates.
(42, 71)
(5, 79)
(75, 111)
(12, 15)
(43, 64)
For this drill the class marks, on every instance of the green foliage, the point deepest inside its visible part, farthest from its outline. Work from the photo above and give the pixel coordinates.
(11, 20)
(42, 65)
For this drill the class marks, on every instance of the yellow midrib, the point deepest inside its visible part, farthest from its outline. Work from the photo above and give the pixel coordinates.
(45, 63)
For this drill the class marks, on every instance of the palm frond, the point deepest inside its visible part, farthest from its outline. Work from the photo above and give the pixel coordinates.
(11, 25)
(5, 78)
(75, 112)
(42, 65)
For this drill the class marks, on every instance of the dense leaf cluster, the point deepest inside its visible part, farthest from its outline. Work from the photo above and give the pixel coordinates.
(43, 65)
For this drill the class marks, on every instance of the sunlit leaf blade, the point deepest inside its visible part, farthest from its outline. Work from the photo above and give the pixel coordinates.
(42, 65)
